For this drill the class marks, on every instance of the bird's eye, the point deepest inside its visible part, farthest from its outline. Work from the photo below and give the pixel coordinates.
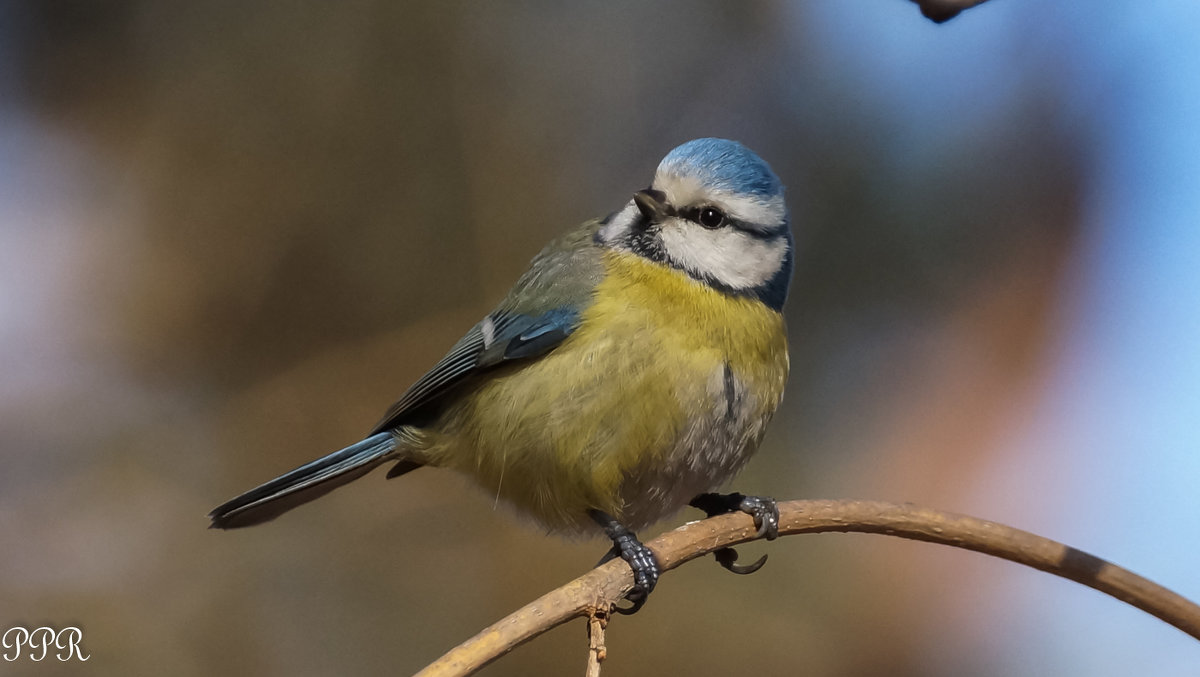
(710, 217)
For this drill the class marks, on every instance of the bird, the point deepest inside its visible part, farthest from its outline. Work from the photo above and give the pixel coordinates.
(630, 372)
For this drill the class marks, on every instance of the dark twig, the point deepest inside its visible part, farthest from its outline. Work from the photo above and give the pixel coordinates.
(940, 11)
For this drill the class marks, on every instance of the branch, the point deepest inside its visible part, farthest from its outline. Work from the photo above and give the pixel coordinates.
(603, 586)
(939, 11)
(597, 621)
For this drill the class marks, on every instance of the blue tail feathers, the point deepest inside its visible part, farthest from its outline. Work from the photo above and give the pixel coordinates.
(309, 481)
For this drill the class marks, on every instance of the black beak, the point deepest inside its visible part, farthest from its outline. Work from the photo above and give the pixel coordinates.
(652, 204)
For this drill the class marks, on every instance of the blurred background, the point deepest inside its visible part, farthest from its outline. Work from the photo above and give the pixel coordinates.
(231, 234)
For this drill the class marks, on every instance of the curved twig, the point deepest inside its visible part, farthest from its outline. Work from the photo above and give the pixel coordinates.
(602, 587)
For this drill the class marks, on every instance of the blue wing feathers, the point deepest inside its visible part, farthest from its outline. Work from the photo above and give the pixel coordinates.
(515, 337)
(543, 334)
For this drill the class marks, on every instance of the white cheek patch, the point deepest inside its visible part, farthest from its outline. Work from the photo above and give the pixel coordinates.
(620, 224)
(732, 257)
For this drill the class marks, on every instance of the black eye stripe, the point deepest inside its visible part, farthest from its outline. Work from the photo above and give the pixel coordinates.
(758, 232)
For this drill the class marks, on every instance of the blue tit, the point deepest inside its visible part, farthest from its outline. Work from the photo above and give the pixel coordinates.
(631, 371)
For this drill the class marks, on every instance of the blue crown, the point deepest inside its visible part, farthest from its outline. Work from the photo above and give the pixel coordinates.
(724, 165)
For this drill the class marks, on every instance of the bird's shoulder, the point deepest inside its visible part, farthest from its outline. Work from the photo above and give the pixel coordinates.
(564, 273)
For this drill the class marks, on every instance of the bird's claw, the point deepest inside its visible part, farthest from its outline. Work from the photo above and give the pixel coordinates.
(763, 509)
(765, 513)
(727, 557)
(645, 572)
(766, 518)
(640, 558)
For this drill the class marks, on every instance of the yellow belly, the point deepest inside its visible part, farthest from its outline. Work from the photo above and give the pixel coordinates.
(661, 393)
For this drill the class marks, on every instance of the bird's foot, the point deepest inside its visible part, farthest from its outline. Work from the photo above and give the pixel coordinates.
(761, 508)
(640, 558)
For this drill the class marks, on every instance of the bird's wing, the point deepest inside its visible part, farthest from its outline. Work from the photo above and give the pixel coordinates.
(540, 312)
(512, 337)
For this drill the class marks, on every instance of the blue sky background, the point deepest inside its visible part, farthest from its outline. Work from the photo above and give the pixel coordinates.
(1119, 410)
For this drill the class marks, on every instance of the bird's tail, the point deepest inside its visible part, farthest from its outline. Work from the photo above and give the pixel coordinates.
(306, 483)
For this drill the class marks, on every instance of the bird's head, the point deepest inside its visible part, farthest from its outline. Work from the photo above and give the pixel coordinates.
(715, 211)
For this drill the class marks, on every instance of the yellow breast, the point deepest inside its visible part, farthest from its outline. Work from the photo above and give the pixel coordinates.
(660, 393)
